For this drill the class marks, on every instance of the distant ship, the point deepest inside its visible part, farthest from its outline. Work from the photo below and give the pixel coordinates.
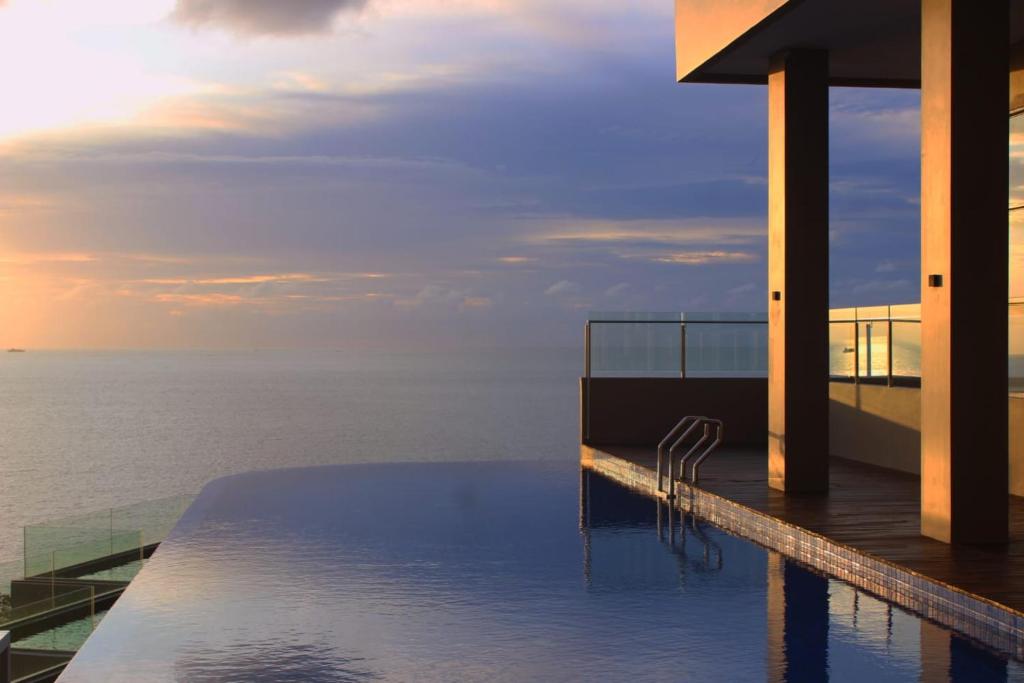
(15, 350)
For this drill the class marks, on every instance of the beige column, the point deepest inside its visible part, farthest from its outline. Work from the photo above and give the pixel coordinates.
(798, 272)
(964, 252)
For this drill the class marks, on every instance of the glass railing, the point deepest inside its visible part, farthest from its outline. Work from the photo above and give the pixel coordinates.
(1016, 360)
(872, 344)
(81, 539)
(875, 343)
(92, 545)
(677, 345)
(63, 597)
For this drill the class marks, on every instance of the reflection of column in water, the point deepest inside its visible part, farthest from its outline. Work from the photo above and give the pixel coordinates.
(776, 621)
(797, 619)
(948, 657)
(585, 522)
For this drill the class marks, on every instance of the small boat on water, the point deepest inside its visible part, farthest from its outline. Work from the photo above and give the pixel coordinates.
(15, 350)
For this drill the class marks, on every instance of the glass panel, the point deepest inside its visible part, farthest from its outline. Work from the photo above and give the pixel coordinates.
(873, 313)
(724, 317)
(64, 597)
(67, 637)
(154, 519)
(874, 348)
(1017, 349)
(842, 314)
(83, 538)
(1017, 254)
(726, 350)
(906, 349)
(905, 311)
(1017, 160)
(635, 316)
(110, 544)
(642, 349)
(841, 348)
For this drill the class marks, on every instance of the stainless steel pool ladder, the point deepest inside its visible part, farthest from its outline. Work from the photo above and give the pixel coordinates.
(687, 426)
(688, 423)
(719, 428)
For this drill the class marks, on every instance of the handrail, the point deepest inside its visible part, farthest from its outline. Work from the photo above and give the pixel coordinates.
(719, 436)
(697, 421)
(687, 321)
(668, 437)
(677, 444)
(687, 425)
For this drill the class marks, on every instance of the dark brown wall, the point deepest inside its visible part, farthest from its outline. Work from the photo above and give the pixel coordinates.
(641, 411)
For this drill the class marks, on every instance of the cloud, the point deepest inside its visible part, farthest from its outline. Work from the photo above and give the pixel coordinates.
(617, 290)
(700, 258)
(880, 286)
(29, 259)
(562, 287)
(640, 232)
(743, 289)
(264, 17)
(438, 296)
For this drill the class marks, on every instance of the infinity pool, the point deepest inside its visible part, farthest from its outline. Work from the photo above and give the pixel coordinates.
(491, 572)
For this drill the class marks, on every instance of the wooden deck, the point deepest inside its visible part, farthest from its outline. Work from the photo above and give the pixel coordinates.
(871, 509)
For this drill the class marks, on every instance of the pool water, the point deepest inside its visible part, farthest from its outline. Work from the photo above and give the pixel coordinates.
(491, 572)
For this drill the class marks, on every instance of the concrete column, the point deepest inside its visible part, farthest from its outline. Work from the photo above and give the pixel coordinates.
(798, 272)
(964, 195)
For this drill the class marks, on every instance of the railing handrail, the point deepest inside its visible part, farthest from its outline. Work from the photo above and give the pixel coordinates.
(874, 320)
(681, 321)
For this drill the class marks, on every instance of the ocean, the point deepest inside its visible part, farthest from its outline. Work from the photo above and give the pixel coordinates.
(83, 431)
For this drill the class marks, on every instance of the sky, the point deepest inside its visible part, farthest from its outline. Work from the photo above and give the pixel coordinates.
(400, 174)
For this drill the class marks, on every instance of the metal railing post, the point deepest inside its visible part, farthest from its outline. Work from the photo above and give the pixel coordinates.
(856, 352)
(682, 350)
(586, 363)
(889, 362)
(868, 326)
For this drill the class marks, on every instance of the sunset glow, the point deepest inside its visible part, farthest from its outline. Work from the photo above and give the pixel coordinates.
(180, 173)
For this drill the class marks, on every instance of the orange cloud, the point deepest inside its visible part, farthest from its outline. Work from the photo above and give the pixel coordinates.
(696, 258)
(202, 299)
(30, 259)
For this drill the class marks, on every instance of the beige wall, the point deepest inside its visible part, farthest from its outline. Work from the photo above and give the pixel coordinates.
(1017, 445)
(876, 424)
(881, 426)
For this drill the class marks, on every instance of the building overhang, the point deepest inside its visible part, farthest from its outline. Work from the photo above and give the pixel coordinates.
(873, 43)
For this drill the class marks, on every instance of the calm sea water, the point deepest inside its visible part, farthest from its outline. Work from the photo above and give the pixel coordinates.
(82, 431)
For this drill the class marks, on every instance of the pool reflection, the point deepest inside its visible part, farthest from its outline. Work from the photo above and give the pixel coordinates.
(816, 628)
